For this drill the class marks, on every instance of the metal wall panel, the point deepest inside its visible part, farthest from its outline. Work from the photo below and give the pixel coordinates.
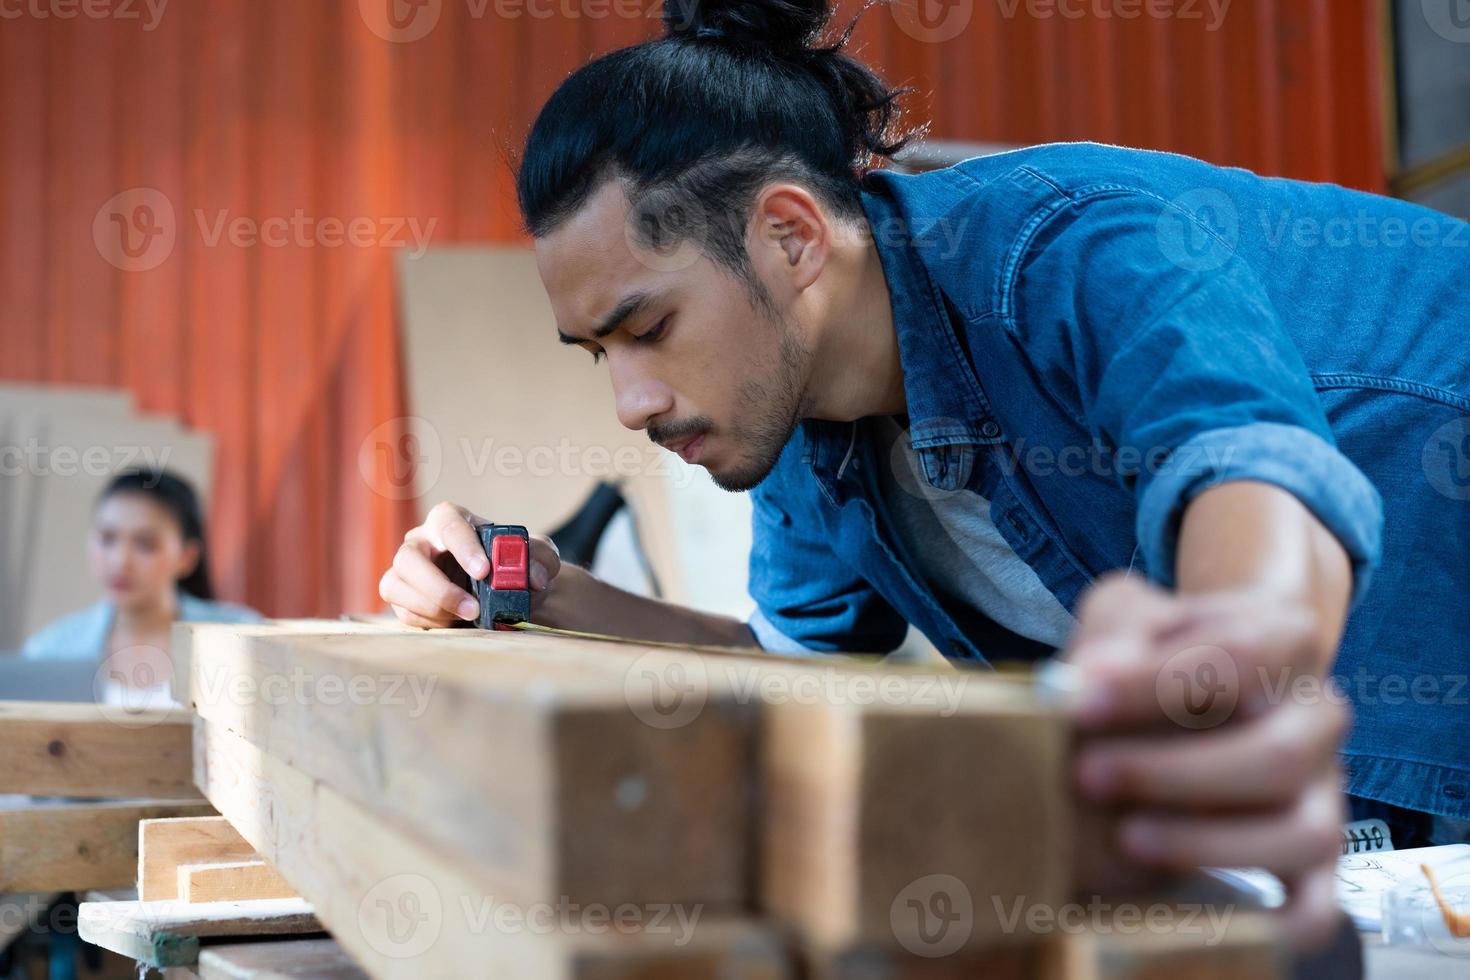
(258, 109)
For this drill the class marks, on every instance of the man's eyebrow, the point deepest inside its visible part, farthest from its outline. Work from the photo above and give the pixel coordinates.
(628, 307)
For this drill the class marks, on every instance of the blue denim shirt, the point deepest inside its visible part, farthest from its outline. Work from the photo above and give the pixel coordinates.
(1091, 336)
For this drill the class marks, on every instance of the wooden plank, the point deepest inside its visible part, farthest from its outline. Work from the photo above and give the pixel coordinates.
(161, 934)
(851, 752)
(73, 749)
(895, 963)
(236, 881)
(545, 780)
(1239, 944)
(301, 959)
(841, 848)
(879, 817)
(403, 908)
(72, 847)
(1162, 941)
(181, 642)
(165, 845)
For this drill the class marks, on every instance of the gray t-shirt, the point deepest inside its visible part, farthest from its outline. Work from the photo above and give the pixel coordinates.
(959, 552)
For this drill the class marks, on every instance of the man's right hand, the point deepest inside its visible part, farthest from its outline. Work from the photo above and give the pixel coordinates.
(429, 582)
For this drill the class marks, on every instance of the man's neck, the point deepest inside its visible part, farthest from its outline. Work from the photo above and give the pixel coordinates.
(856, 368)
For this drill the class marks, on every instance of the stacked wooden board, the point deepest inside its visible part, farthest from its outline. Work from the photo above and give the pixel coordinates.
(456, 803)
(80, 777)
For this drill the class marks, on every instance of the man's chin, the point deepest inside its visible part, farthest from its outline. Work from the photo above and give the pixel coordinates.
(742, 478)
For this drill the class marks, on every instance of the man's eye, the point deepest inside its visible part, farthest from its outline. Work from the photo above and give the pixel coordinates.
(650, 336)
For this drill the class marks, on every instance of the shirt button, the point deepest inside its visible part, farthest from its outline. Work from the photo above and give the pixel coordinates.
(958, 649)
(990, 430)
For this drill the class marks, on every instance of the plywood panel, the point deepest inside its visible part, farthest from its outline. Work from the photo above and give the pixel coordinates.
(528, 447)
(81, 457)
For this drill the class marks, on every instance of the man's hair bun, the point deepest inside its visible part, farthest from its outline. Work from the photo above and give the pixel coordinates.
(783, 27)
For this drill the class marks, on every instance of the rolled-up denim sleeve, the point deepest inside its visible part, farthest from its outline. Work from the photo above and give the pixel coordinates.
(807, 599)
(1293, 458)
(1181, 362)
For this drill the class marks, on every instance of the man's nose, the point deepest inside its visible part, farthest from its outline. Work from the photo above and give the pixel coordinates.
(639, 398)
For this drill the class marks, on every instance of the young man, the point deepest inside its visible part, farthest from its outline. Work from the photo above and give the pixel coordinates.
(960, 400)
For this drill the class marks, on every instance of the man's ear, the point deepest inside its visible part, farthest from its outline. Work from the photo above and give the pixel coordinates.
(792, 235)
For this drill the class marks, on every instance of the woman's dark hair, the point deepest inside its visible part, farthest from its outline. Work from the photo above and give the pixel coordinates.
(176, 495)
(738, 93)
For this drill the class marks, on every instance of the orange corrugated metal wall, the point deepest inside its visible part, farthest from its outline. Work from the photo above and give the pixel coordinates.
(265, 108)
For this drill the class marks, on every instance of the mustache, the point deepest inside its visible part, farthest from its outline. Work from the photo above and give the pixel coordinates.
(676, 431)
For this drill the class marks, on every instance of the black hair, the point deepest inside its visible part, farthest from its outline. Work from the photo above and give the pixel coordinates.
(176, 495)
(738, 93)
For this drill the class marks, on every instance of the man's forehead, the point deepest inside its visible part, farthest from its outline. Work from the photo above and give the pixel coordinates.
(587, 262)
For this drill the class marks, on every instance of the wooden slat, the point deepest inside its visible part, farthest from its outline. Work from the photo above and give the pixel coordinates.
(72, 749)
(161, 934)
(541, 779)
(165, 845)
(71, 847)
(301, 959)
(236, 881)
(405, 909)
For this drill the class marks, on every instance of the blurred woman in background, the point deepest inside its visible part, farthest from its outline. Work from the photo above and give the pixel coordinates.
(147, 550)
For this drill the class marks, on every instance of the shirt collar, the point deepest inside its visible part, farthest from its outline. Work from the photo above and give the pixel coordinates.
(948, 412)
(946, 405)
